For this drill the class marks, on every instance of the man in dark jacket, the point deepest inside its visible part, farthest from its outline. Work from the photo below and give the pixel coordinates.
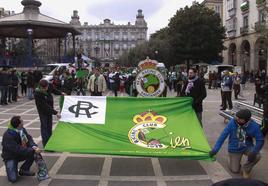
(195, 88)
(241, 132)
(14, 85)
(18, 146)
(44, 103)
(4, 86)
(68, 83)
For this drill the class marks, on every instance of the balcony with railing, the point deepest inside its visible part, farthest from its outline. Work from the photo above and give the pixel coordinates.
(260, 25)
(261, 3)
(244, 30)
(244, 6)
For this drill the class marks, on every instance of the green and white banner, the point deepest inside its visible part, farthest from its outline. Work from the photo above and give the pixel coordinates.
(158, 127)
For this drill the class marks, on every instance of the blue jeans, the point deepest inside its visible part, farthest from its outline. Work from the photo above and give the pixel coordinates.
(30, 93)
(12, 167)
(3, 90)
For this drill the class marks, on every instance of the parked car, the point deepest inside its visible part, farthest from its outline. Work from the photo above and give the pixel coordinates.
(49, 70)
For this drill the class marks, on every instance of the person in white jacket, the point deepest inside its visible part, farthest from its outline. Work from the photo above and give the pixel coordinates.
(97, 83)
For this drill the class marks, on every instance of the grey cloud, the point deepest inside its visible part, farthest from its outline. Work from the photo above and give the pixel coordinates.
(124, 10)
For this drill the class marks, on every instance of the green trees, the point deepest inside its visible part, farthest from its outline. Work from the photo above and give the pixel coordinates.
(196, 33)
(193, 34)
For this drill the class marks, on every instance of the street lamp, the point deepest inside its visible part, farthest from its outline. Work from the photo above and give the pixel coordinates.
(156, 53)
(65, 45)
(30, 33)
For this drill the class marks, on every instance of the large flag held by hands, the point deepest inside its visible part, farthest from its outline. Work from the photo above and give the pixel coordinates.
(155, 127)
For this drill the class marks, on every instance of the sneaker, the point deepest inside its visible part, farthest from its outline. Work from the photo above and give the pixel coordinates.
(246, 174)
(26, 173)
(222, 109)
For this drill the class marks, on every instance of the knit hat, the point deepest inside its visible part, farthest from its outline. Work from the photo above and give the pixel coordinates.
(244, 114)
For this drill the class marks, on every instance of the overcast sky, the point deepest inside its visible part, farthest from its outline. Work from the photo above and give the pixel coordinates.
(157, 12)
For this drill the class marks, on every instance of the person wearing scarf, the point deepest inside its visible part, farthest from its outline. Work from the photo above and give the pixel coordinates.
(195, 88)
(241, 131)
(45, 107)
(18, 146)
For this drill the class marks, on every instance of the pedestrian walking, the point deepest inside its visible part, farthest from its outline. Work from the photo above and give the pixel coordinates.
(236, 85)
(4, 86)
(23, 83)
(30, 85)
(14, 85)
(245, 138)
(226, 88)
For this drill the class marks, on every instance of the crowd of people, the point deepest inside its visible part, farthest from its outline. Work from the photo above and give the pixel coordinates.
(245, 136)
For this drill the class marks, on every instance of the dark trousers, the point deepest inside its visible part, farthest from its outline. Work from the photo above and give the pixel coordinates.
(114, 88)
(12, 167)
(236, 90)
(14, 93)
(80, 89)
(96, 93)
(227, 97)
(3, 90)
(23, 89)
(9, 93)
(46, 127)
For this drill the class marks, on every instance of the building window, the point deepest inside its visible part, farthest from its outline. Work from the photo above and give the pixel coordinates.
(107, 36)
(116, 36)
(262, 16)
(245, 21)
(230, 5)
(124, 36)
(97, 36)
(231, 25)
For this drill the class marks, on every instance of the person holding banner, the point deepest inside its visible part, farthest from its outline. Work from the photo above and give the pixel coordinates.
(44, 103)
(241, 131)
(18, 146)
(96, 83)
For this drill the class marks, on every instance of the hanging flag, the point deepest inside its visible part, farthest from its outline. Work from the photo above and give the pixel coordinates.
(155, 127)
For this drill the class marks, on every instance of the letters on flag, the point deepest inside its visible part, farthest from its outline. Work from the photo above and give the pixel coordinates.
(84, 109)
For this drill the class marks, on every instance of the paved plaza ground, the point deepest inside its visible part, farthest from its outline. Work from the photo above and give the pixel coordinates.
(84, 169)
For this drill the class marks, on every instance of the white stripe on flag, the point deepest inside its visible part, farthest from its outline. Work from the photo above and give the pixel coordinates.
(84, 109)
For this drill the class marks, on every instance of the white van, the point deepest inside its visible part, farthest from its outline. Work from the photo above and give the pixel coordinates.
(220, 68)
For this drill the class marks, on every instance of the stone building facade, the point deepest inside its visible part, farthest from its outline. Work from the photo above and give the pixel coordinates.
(108, 41)
(243, 20)
(216, 5)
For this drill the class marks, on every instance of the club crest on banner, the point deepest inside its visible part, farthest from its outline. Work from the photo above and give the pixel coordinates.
(145, 121)
(149, 81)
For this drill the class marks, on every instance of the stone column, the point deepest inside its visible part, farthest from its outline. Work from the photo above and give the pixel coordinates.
(252, 59)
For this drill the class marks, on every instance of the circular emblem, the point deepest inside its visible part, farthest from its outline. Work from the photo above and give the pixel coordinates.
(150, 83)
(146, 123)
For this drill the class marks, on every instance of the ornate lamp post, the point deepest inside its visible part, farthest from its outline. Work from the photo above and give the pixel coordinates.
(30, 33)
